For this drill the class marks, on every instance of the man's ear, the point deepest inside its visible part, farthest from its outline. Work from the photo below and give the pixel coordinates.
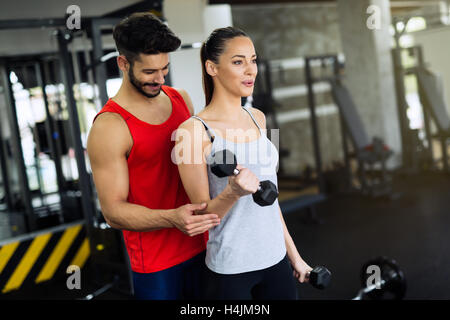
(123, 63)
(211, 68)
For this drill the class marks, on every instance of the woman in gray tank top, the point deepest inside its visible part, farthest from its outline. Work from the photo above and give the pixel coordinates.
(250, 254)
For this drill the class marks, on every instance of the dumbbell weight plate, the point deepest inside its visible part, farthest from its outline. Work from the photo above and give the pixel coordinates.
(226, 163)
(395, 288)
(320, 277)
(267, 194)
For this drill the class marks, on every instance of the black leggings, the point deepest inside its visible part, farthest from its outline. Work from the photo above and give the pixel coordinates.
(273, 283)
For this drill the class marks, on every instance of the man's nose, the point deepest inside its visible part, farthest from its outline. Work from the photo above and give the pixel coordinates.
(160, 78)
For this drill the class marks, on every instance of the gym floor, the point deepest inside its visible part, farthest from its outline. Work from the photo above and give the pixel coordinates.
(412, 229)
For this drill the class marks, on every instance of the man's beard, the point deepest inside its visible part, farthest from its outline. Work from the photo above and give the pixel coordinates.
(138, 85)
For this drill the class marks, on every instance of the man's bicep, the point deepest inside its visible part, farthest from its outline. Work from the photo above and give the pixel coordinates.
(107, 154)
(111, 180)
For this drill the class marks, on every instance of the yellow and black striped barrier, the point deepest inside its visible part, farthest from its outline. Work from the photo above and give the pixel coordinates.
(41, 256)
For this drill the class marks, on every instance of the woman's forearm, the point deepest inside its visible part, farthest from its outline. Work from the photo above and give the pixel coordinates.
(221, 204)
(291, 248)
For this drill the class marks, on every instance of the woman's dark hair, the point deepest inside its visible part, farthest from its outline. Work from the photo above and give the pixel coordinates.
(211, 49)
(143, 32)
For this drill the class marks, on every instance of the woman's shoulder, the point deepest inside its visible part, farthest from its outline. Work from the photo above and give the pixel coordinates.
(189, 123)
(206, 115)
(259, 116)
(193, 125)
(256, 112)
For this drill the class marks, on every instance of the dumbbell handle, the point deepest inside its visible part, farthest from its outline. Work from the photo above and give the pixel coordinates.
(379, 285)
(236, 172)
(267, 191)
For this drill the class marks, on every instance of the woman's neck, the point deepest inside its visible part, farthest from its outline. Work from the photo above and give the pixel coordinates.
(225, 106)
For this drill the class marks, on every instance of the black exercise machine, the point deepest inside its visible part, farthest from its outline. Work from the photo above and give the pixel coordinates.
(368, 153)
(417, 155)
(432, 99)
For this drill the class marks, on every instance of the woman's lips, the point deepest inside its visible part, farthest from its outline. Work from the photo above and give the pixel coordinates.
(248, 83)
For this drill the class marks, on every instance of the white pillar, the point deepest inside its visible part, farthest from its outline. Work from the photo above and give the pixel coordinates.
(192, 21)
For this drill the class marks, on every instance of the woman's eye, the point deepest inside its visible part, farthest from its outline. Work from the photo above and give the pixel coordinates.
(237, 62)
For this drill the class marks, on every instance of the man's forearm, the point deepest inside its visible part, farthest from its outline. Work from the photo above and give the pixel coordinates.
(133, 217)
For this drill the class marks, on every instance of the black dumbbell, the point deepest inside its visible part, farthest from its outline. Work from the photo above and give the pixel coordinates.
(224, 164)
(390, 285)
(319, 277)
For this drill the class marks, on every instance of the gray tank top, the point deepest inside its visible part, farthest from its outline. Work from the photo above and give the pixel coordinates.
(249, 237)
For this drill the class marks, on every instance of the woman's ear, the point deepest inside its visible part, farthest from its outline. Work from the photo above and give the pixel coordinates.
(211, 68)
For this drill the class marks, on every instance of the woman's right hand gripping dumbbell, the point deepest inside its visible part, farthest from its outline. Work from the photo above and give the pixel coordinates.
(244, 183)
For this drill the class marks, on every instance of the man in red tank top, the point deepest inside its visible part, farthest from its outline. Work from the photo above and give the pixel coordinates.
(138, 184)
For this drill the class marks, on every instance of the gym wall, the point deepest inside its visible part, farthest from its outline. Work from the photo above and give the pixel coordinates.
(291, 31)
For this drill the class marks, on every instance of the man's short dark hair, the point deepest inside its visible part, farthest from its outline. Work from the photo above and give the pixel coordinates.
(143, 32)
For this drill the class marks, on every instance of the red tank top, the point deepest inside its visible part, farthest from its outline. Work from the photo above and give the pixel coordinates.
(155, 183)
